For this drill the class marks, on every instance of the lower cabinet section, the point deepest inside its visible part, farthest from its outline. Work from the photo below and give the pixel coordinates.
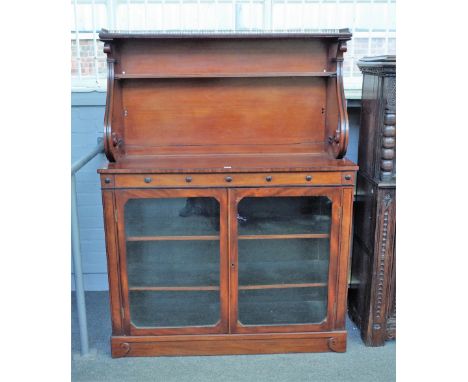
(228, 270)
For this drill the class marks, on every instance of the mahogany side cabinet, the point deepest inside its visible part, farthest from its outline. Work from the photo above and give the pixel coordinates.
(372, 304)
(227, 201)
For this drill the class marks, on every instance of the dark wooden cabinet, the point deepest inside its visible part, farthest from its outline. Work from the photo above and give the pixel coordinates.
(227, 203)
(372, 291)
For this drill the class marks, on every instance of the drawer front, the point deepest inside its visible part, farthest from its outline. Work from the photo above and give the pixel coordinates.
(227, 180)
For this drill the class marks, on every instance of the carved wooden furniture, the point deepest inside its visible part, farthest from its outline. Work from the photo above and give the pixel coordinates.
(227, 203)
(372, 292)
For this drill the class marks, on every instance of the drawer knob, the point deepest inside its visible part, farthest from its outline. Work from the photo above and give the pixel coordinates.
(188, 179)
(228, 179)
(268, 178)
(148, 180)
(347, 177)
(107, 180)
(308, 178)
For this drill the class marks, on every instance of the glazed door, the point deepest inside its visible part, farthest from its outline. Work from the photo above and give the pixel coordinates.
(283, 259)
(173, 261)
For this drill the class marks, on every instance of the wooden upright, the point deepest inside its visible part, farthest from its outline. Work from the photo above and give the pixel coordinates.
(227, 201)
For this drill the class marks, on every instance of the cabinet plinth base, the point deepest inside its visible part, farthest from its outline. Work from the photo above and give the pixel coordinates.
(148, 346)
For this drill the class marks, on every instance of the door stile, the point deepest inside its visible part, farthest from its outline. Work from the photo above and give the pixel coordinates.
(112, 253)
(224, 259)
(334, 259)
(233, 260)
(121, 198)
(347, 196)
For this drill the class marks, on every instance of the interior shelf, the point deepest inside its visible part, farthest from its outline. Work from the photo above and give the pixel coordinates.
(122, 76)
(287, 236)
(241, 287)
(173, 289)
(241, 237)
(282, 286)
(173, 238)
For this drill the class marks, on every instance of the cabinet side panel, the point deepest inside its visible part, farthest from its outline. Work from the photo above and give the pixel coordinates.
(363, 251)
(112, 261)
(345, 247)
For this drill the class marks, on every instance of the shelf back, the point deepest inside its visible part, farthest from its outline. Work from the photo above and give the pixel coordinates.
(185, 57)
(223, 115)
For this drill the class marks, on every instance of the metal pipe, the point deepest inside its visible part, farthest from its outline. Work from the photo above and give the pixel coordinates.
(78, 272)
(81, 162)
(76, 251)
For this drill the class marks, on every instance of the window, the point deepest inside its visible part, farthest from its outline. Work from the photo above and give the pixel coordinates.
(372, 23)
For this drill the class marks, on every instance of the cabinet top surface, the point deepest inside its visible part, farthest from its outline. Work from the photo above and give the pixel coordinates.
(226, 163)
(341, 34)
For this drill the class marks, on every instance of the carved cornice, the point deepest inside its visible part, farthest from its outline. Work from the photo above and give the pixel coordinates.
(340, 34)
(339, 141)
(382, 66)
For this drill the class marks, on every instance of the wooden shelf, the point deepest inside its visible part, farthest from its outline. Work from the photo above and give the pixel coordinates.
(287, 236)
(282, 286)
(121, 76)
(164, 238)
(241, 287)
(173, 289)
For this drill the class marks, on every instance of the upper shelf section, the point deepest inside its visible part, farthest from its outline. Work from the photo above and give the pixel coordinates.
(232, 92)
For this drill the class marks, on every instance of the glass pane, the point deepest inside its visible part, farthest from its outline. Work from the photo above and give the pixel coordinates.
(173, 261)
(174, 309)
(282, 306)
(284, 215)
(172, 217)
(284, 261)
(284, 257)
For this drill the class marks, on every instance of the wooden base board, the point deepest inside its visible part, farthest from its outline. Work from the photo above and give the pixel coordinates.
(190, 345)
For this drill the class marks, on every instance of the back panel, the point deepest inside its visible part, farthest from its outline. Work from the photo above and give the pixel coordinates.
(232, 115)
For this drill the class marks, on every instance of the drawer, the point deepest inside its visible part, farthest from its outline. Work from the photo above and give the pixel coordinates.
(227, 180)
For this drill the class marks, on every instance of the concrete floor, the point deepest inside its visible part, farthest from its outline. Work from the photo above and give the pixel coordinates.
(359, 363)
